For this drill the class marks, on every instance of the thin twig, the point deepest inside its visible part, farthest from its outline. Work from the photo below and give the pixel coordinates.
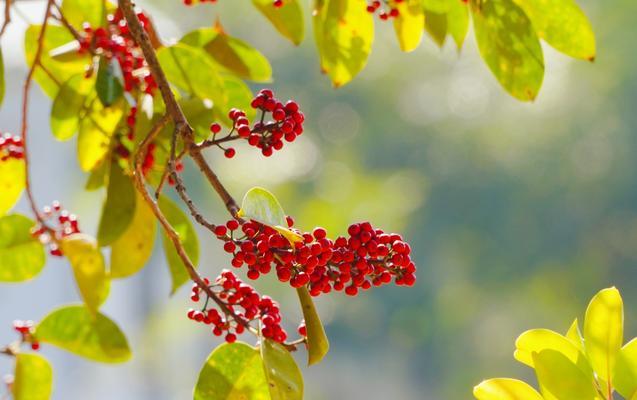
(67, 24)
(7, 16)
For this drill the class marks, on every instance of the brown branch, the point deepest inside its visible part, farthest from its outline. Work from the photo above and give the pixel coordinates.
(67, 24)
(7, 16)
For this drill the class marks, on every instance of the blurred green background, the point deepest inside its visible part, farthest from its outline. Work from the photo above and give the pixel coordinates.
(517, 213)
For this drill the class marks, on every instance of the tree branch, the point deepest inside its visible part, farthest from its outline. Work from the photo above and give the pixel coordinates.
(7, 16)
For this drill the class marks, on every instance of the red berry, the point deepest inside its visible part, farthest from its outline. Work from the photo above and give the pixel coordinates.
(230, 152)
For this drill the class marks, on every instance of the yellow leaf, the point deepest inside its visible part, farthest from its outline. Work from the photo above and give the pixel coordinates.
(96, 130)
(33, 377)
(409, 24)
(603, 331)
(560, 379)
(505, 389)
(625, 377)
(11, 183)
(575, 336)
(317, 343)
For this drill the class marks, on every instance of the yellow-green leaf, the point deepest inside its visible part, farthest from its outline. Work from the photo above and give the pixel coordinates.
(11, 183)
(260, 205)
(288, 20)
(409, 23)
(575, 336)
(437, 6)
(233, 371)
(96, 129)
(317, 343)
(625, 377)
(239, 95)
(21, 255)
(458, 21)
(344, 32)
(436, 26)
(509, 46)
(77, 330)
(563, 25)
(604, 331)
(88, 267)
(119, 207)
(505, 389)
(281, 371)
(134, 247)
(33, 377)
(188, 237)
(68, 106)
(97, 177)
(78, 12)
(560, 379)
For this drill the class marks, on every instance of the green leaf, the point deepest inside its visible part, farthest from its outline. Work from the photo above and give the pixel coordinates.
(260, 205)
(575, 336)
(344, 32)
(239, 96)
(283, 375)
(317, 343)
(119, 207)
(60, 70)
(191, 70)
(76, 330)
(536, 340)
(604, 331)
(97, 177)
(509, 46)
(563, 25)
(408, 25)
(21, 255)
(77, 12)
(33, 377)
(88, 267)
(233, 371)
(505, 389)
(108, 86)
(134, 247)
(69, 105)
(560, 379)
(288, 20)
(458, 21)
(188, 237)
(2, 84)
(436, 27)
(96, 130)
(437, 6)
(625, 377)
(11, 183)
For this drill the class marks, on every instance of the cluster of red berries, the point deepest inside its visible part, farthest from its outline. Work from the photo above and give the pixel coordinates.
(286, 124)
(59, 224)
(11, 147)
(26, 329)
(116, 42)
(276, 3)
(388, 11)
(368, 257)
(242, 301)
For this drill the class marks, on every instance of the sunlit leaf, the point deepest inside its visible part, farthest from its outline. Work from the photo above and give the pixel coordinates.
(260, 205)
(232, 372)
(78, 12)
(134, 247)
(575, 336)
(77, 330)
(505, 389)
(536, 340)
(96, 130)
(509, 46)
(625, 377)
(119, 207)
(188, 237)
(458, 21)
(238, 95)
(68, 106)
(409, 24)
(33, 377)
(108, 86)
(436, 26)
(317, 343)
(604, 331)
(21, 255)
(97, 177)
(55, 36)
(344, 32)
(560, 379)
(11, 183)
(282, 373)
(563, 25)
(288, 20)
(88, 267)
(437, 6)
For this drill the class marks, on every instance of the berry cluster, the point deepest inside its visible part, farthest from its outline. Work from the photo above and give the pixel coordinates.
(26, 329)
(386, 8)
(286, 124)
(367, 257)
(115, 42)
(11, 147)
(241, 300)
(59, 224)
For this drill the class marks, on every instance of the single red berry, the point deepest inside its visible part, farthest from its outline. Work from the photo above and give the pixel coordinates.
(215, 128)
(229, 153)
